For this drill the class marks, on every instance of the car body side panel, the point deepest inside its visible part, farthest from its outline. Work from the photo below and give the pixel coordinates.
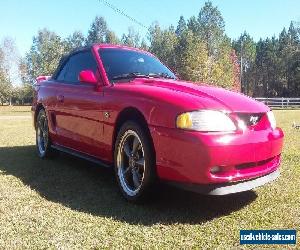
(79, 118)
(45, 96)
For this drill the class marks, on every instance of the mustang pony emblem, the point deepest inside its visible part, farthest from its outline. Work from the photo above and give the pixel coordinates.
(253, 120)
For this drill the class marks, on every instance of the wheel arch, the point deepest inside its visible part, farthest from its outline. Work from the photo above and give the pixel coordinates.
(131, 114)
(37, 110)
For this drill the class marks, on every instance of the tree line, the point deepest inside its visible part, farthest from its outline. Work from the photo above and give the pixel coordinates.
(271, 66)
(10, 70)
(197, 49)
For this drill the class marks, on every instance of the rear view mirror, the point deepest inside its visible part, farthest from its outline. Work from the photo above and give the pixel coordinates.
(87, 76)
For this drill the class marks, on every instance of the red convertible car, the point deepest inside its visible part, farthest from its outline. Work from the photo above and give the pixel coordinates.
(122, 107)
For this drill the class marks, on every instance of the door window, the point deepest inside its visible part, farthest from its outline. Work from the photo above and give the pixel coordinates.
(75, 64)
(62, 73)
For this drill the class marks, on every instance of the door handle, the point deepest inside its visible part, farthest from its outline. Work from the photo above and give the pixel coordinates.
(60, 98)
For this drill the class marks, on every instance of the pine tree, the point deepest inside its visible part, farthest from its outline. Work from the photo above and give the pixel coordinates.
(144, 45)
(193, 25)
(74, 41)
(181, 27)
(246, 52)
(222, 70)
(191, 57)
(163, 44)
(97, 32)
(132, 38)
(112, 38)
(211, 27)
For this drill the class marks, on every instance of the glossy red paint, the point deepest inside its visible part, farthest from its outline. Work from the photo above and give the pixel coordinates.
(78, 120)
(87, 76)
(42, 78)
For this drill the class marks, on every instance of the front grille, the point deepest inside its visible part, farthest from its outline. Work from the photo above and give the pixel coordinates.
(254, 164)
(250, 119)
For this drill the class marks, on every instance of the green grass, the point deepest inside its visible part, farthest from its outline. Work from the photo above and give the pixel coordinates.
(14, 110)
(72, 204)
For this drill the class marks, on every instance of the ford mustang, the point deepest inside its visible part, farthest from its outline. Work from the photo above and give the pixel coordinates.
(122, 108)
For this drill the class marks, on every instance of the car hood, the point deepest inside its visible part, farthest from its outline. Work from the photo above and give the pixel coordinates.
(225, 99)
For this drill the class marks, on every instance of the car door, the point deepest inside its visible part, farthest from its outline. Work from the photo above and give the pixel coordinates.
(78, 113)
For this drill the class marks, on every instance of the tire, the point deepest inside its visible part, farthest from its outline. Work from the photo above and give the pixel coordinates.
(43, 142)
(134, 159)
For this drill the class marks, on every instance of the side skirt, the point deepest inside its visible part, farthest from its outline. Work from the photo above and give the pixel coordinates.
(81, 155)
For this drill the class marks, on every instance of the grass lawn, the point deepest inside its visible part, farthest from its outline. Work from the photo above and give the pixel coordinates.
(72, 204)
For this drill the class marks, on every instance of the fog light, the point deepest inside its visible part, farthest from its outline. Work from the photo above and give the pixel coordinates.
(215, 169)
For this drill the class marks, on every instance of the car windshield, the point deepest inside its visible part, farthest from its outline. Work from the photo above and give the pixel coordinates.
(125, 64)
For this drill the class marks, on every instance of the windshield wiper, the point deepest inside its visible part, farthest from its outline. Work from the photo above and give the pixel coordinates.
(140, 75)
(163, 75)
(130, 75)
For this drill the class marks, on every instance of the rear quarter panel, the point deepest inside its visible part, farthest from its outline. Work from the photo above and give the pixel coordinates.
(45, 97)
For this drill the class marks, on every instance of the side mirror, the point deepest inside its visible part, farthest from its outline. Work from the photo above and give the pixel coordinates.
(87, 76)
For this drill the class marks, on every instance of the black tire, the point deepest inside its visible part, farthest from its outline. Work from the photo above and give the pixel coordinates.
(43, 142)
(134, 164)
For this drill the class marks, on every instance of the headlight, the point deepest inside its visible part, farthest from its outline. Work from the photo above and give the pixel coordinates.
(205, 120)
(271, 119)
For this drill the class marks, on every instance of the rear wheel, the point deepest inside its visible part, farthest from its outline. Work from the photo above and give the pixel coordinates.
(134, 162)
(43, 143)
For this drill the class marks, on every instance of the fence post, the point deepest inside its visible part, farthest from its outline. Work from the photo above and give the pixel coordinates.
(282, 102)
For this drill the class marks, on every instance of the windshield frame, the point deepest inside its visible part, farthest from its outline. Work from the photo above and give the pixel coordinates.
(131, 77)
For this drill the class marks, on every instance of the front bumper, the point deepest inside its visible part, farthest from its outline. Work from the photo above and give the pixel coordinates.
(188, 157)
(229, 188)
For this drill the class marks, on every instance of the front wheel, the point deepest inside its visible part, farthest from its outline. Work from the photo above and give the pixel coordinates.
(134, 162)
(43, 143)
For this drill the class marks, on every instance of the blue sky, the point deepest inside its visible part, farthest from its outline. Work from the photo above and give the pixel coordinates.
(22, 19)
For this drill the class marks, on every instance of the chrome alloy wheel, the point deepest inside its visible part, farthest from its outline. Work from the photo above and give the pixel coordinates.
(131, 163)
(42, 134)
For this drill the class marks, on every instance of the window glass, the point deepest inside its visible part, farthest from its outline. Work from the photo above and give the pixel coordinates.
(62, 73)
(121, 61)
(77, 63)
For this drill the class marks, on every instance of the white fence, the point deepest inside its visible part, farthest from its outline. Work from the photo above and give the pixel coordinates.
(280, 102)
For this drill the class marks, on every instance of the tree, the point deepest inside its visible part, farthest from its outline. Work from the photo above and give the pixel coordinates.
(236, 71)
(3, 70)
(245, 48)
(291, 52)
(144, 45)
(191, 57)
(5, 92)
(198, 50)
(211, 27)
(276, 70)
(22, 94)
(9, 68)
(112, 38)
(296, 73)
(181, 27)
(193, 25)
(44, 55)
(74, 41)
(24, 71)
(222, 70)
(5, 86)
(163, 44)
(132, 38)
(98, 31)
